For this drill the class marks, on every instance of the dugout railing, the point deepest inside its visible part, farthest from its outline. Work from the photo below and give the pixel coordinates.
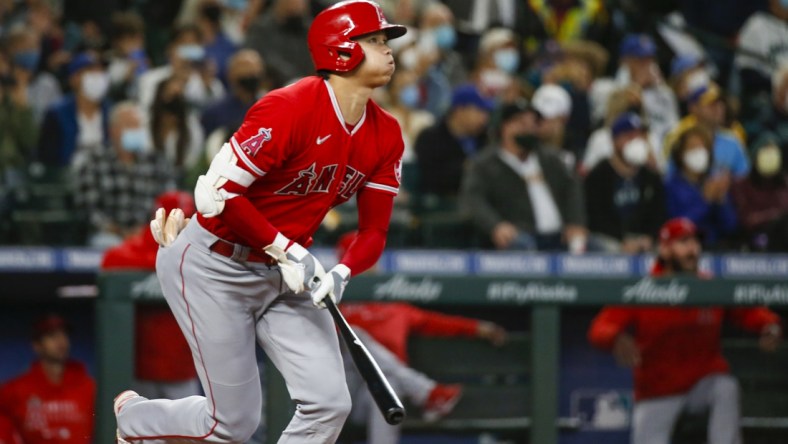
(544, 296)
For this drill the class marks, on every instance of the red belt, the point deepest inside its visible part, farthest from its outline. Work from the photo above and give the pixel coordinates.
(241, 253)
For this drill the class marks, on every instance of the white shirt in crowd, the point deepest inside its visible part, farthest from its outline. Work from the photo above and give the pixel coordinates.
(546, 214)
(764, 43)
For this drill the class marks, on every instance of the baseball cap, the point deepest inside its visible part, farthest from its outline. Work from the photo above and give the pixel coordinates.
(677, 228)
(637, 45)
(468, 94)
(81, 61)
(628, 121)
(47, 324)
(552, 101)
(683, 63)
(705, 94)
(170, 200)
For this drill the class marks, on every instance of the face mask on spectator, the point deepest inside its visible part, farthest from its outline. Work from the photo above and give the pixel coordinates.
(445, 36)
(494, 81)
(697, 160)
(507, 59)
(527, 142)
(409, 58)
(409, 96)
(768, 161)
(133, 140)
(191, 53)
(95, 85)
(636, 152)
(27, 60)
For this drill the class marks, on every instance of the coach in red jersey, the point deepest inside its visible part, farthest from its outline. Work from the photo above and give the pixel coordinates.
(54, 401)
(240, 271)
(675, 351)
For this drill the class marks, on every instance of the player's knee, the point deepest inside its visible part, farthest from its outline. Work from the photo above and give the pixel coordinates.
(241, 429)
(337, 406)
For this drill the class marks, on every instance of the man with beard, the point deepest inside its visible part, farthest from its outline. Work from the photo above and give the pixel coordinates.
(675, 351)
(54, 401)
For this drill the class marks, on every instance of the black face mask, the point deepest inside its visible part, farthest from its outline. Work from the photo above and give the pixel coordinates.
(527, 142)
(250, 84)
(176, 105)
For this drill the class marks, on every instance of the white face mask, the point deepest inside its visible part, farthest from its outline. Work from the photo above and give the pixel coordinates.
(636, 152)
(697, 160)
(768, 161)
(95, 85)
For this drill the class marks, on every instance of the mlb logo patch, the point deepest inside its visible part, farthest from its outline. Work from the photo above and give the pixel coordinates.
(253, 144)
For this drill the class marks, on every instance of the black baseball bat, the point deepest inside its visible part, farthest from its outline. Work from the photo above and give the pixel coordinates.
(388, 402)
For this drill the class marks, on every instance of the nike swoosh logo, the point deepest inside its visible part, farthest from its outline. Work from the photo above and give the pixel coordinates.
(320, 140)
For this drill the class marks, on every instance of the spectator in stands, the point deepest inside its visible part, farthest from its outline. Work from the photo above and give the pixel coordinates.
(566, 20)
(175, 128)
(42, 88)
(625, 199)
(762, 49)
(638, 66)
(707, 108)
(118, 185)
(403, 102)
(497, 62)
(385, 328)
(218, 47)
(247, 80)
(279, 35)
(187, 61)
(78, 122)
(128, 59)
(687, 74)
(54, 401)
(163, 365)
(694, 191)
(18, 129)
(600, 144)
(770, 116)
(545, 214)
(761, 200)
(443, 149)
(675, 351)
(554, 105)
(8, 433)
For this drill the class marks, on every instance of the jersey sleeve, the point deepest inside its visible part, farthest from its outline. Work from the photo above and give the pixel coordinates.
(262, 141)
(608, 324)
(387, 176)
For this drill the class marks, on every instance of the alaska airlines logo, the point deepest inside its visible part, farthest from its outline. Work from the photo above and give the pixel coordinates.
(253, 144)
(309, 181)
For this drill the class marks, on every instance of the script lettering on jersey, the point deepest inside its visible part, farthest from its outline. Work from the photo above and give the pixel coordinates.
(253, 144)
(350, 183)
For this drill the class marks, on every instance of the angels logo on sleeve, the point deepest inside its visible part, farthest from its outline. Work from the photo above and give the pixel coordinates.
(253, 144)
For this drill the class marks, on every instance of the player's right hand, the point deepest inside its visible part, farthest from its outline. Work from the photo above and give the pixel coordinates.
(165, 228)
(300, 269)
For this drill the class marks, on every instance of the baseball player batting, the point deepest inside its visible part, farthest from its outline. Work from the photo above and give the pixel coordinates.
(240, 270)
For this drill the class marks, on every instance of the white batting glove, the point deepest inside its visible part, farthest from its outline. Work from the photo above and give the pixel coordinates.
(166, 228)
(300, 269)
(331, 285)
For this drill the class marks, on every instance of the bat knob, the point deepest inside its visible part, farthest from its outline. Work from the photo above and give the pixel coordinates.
(395, 415)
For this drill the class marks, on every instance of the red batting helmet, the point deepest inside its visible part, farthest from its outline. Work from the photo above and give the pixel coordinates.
(332, 32)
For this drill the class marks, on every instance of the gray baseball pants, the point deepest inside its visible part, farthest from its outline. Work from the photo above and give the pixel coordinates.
(222, 307)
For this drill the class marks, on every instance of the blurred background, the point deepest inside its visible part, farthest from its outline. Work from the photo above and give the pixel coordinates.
(638, 111)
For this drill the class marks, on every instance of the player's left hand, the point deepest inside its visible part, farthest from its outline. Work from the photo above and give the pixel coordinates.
(165, 228)
(331, 285)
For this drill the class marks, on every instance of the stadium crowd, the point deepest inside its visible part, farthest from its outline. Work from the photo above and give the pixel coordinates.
(634, 115)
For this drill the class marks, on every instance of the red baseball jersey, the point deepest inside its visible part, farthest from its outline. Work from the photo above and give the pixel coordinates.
(306, 159)
(48, 413)
(391, 323)
(678, 345)
(8, 433)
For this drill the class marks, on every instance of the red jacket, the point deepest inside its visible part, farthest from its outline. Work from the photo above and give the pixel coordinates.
(161, 353)
(390, 323)
(47, 413)
(678, 345)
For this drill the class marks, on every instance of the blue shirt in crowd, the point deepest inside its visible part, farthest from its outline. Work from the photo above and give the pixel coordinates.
(685, 199)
